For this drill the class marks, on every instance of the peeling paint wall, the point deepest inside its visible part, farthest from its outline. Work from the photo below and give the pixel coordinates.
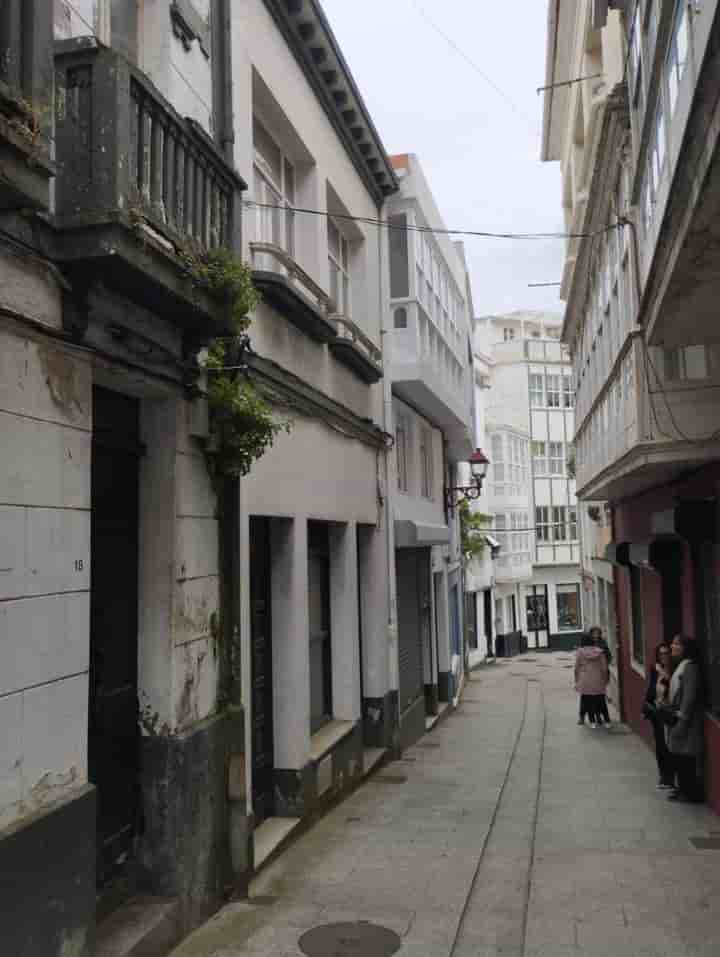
(45, 420)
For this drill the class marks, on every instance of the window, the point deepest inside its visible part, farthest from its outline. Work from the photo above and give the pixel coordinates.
(426, 463)
(498, 463)
(659, 147)
(539, 456)
(274, 180)
(399, 261)
(319, 620)
(677, 54)
(568, 607)
(559, 522)
(557, 458)
(638, 645)
(537, 394)
(542, 523)
(572, 512)
(568, 392)
(402, 435)
(339, 260)
(508, 334)
(553, 391)
(689, 362)
(400, 318)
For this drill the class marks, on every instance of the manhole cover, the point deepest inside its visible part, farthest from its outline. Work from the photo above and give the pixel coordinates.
(356, 939)
(706, 843)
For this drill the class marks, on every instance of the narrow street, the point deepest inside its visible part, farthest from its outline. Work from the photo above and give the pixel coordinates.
(508, 830)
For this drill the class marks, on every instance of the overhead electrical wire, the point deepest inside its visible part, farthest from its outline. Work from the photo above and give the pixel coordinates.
(409, 227)
(473, 65)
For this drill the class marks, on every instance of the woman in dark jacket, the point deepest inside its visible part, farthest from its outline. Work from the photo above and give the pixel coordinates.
(597, 636)
(657, 696)
(685, 735)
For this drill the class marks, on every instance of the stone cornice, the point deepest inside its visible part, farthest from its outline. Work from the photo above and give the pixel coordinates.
(288, 389)
(309, 36)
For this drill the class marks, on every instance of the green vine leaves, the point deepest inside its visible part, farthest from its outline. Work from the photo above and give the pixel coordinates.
(243, 425)
(472, 535)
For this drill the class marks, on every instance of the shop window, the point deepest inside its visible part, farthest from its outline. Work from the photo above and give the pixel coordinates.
(568, 607)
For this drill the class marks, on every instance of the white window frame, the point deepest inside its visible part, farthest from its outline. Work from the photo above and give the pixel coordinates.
(426, 463)
(559, 523)
(556, 458)
(539, 458)
(542, 524)
(674, 65)
(274, 225)
(537, 394)
(339, 270)
(552, 395)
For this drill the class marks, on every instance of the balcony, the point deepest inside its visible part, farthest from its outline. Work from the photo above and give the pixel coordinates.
(427, 375)
(141, 191)
(652, 420)
(288, 288)
(25, 112)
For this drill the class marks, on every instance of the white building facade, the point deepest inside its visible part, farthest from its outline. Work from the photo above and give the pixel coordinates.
(531, 492)
(431, 382)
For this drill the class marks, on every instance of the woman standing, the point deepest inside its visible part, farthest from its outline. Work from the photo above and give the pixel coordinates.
(591, 678)
(685, 732)
(597, 636)
(656, 697)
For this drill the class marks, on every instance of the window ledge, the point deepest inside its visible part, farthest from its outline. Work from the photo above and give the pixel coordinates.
(328, 736)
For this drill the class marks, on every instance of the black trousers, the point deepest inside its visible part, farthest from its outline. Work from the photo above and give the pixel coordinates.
(665, 762)
(688, 781)
(591, 705)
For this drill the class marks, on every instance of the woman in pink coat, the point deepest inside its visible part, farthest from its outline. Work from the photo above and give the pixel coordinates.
(591, 679)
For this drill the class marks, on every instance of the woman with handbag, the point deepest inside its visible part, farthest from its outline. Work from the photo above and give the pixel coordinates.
(685, 720)
(656, 697)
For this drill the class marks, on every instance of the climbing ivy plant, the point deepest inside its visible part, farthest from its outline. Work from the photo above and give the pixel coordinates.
(242, 423)
(472, 534)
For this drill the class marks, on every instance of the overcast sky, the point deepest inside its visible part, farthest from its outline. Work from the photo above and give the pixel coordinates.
(481, 158)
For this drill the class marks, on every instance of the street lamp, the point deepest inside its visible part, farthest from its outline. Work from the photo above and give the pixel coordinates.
(478, 462)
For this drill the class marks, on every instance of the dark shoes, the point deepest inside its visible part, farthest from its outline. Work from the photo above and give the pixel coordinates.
(679, 796)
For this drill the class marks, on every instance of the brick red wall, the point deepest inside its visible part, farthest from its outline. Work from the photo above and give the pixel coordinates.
(633, 519)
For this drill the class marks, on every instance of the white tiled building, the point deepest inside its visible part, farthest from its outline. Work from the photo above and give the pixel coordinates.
(431, 307)
(531, 493)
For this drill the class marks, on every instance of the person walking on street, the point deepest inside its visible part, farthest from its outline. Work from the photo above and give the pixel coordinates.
(591, 678)
(656, 698)
(599, 642)
(686, 719)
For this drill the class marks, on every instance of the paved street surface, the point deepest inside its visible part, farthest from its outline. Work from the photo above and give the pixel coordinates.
(508, 830)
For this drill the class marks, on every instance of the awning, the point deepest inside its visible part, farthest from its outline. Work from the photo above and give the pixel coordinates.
(660, 554)
(693, 521)
(618, 553)
(409, 534)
